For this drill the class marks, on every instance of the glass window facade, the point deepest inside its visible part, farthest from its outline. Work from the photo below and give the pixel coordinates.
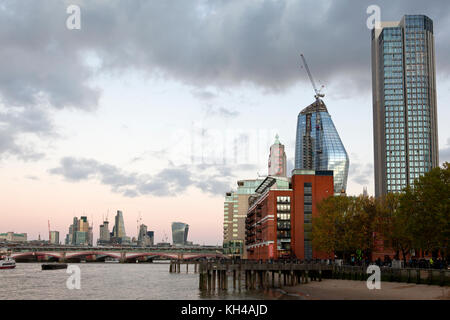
(318, 145)
(407, 113)
(283, 224)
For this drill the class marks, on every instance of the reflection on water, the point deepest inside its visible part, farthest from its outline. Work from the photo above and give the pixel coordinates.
(115, 281)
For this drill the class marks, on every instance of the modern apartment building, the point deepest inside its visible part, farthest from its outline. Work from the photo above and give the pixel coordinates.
(404, 102)
(235, 212)
(279, 218)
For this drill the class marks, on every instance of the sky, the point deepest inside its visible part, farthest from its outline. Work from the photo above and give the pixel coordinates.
(157, 108)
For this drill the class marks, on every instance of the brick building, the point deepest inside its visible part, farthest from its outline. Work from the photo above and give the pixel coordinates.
(280, 213)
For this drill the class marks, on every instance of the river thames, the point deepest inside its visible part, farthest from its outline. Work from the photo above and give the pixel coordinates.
(145, 281)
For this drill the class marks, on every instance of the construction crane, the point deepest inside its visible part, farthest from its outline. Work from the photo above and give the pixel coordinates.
(138, 223)
(318, 94)
(49, 233)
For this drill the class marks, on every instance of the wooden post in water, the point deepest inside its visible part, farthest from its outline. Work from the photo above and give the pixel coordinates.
(234, 279)
(279, 278)
(239, 278)
(209, 279)
(187, 267)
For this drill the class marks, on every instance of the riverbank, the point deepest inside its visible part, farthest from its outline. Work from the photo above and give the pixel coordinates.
(332, 289)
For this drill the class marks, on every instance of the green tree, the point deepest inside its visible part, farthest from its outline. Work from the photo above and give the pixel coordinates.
(395, 222)
(429, 204)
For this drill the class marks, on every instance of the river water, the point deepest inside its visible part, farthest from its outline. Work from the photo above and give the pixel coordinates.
(106, 281)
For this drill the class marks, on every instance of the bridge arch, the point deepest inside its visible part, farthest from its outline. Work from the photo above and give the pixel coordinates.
(129, 256)
(35, 254)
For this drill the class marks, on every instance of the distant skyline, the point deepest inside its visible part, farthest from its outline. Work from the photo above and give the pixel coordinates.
(158, 108)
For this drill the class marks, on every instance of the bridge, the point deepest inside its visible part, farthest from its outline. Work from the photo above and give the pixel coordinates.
(123, 254)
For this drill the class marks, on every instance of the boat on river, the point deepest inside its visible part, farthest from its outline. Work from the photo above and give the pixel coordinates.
(54, 266)
(7, 263)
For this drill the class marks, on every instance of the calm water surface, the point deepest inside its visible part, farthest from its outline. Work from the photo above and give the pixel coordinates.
(114, 281)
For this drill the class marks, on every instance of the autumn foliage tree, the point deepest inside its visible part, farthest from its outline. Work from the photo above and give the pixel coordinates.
(417, 218)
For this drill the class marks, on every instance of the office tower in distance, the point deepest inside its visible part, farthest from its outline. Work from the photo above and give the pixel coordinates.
(404, 102)
(318, 145)
(151, 236)
(105, 236)
(144, 239)
(80, 233)
(277, 159)
(54, 237)
(179, 233)
(13, 237)
(119, 227)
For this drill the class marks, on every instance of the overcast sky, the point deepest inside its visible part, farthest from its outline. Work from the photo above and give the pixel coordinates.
(156, 108)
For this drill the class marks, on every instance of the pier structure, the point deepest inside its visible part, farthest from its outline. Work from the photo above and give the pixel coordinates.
(252, 275)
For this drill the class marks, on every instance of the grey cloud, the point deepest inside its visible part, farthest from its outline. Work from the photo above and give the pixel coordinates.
(170, 181)
(19, 123)
(202, 43)
(211, 110)
(361, 173)
(205, 44)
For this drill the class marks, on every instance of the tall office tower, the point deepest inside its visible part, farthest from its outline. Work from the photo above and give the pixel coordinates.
(179, 233)
(119, 227)
(277, 159)
(404, 102)
(151, 236)
(90, 236)
(104, 232)
(235, 213)
(143, 237)
(54, 237)
(83, 225)
(318, 145)
(80, 233)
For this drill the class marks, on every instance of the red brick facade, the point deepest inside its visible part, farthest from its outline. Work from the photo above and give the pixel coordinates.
(275, 224)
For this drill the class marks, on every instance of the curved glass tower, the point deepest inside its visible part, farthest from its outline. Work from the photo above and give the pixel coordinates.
(318, 146)
(179, 233)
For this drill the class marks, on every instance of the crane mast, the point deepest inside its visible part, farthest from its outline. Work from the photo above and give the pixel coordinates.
(318, 93)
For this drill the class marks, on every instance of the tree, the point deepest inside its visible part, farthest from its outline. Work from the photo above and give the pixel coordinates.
(329, 227)
(344, 225)
(395, 222)
(429, 204)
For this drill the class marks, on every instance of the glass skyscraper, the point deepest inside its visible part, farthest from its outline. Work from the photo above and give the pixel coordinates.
(119, 227)
(318, 145)
(404, 102)
(179, 233)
